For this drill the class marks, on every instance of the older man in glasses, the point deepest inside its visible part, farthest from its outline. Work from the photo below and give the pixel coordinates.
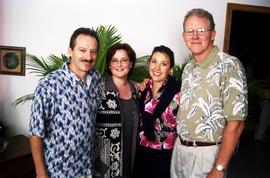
(213, 103)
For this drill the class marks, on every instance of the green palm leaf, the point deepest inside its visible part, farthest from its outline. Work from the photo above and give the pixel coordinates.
(107, 37)
(42, 67)
(178, 70)
(22, 100)
(140, 70)
(36, 65)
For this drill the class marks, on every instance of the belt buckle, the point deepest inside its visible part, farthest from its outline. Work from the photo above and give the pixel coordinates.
(194, 143)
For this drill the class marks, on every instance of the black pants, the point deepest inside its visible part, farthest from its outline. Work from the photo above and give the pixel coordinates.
(151, 163)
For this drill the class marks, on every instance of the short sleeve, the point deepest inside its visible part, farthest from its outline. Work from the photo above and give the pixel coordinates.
(41, 110)
(234, 91)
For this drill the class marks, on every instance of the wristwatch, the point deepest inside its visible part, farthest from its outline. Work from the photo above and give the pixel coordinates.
(219, 167)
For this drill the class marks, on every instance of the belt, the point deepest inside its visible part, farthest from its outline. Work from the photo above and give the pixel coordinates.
(195, 143)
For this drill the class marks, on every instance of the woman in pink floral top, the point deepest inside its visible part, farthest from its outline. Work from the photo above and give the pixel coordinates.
(158, 104)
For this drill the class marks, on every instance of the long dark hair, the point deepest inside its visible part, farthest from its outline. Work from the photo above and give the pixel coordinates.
(165, 50)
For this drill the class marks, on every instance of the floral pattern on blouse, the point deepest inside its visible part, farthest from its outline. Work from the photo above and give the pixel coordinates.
(165, 126)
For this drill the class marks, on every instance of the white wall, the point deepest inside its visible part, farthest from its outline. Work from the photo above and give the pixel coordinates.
(44, 28)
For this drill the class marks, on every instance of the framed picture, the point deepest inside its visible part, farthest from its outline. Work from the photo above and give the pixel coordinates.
(12, 60)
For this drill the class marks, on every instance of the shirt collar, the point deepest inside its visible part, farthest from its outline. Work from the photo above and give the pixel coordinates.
(150, 85)
(212, 56)
(110, 86)
(72, 76)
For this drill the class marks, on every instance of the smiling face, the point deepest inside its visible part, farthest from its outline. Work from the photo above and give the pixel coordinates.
(120, 64)
(159, 67)
(83, 55)
(200, 44)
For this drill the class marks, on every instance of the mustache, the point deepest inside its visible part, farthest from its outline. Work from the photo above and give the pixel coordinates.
(88, 61)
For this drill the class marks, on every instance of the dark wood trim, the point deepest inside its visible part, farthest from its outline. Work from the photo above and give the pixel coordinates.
(16, 161)
(242, 8)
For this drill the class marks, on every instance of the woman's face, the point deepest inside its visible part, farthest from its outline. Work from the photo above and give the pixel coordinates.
(159, 67)
(120, 64)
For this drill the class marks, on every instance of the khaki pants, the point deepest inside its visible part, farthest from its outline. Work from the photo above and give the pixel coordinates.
(192, 162)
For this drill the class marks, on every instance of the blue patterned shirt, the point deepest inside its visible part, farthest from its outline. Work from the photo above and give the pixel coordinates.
(63, 115)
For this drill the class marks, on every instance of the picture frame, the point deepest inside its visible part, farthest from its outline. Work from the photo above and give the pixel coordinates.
(12, 60)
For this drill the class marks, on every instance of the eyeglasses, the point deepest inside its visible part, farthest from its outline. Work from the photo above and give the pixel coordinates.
(199, 31)
(123, 61)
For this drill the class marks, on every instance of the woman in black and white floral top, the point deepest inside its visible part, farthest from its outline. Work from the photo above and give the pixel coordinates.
(117, 119)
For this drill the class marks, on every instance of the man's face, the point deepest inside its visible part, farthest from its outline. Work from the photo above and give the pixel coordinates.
(198, 37)
(84, 54)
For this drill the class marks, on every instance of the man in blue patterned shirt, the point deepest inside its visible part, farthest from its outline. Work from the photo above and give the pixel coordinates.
(64, 110)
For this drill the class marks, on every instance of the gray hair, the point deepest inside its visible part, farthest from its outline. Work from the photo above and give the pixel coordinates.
(200, 13)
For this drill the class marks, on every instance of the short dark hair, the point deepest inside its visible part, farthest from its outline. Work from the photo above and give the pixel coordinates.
(84, 31)
(118, 46)
(200, 13)
(165, 50)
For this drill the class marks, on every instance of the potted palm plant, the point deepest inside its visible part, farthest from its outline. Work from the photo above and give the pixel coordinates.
(108, 36)
(41, 67)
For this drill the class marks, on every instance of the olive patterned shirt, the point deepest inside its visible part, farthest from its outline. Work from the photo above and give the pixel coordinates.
(213, 92)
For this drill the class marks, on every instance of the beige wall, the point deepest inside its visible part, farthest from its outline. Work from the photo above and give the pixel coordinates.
(44, 28)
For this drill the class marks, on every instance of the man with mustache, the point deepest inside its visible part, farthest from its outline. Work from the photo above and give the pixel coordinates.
(64, 110)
